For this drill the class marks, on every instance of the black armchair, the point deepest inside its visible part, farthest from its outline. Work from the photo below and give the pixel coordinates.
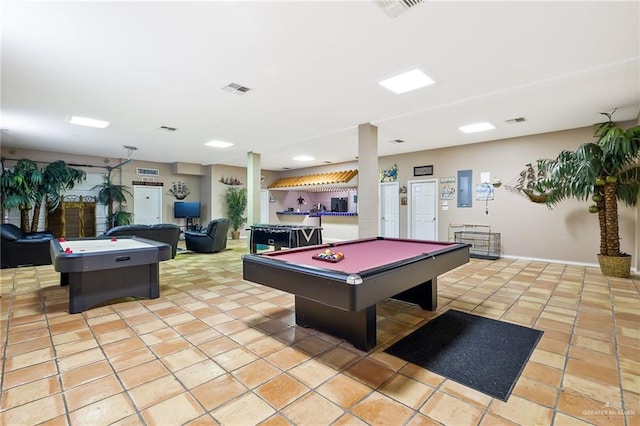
(20, 248)
(211, 239)
(164, 232)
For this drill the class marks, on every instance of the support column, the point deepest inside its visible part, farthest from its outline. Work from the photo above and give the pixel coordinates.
(207, 196)
(368, 193)
(253, 188)
(636, 255)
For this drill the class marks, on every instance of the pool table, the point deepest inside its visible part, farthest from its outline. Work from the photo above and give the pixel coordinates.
(101, 269)
(340, 298)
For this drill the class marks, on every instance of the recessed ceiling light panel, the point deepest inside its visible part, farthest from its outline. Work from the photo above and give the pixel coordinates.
(476, 127)
(303, 158)
(219, 144)
(89, 122)
(405, 82)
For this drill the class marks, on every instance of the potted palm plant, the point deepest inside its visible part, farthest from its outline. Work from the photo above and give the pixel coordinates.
(604, 172)
(27, 187)
(236, 201)
(19, 185)
(57, 178)
(110, 193)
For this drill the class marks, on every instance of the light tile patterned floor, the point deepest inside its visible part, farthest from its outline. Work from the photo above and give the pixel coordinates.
(214, 349)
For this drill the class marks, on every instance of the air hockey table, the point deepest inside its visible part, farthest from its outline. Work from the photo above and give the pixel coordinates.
(101, 269)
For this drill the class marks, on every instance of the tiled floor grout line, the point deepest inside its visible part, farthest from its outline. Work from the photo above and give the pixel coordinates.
(486, 408)
(617, 356)
(278, 411)
(171, 372)
(53, 347)
(7, 328)
(227, 372)
(566, 357)
(115, 373)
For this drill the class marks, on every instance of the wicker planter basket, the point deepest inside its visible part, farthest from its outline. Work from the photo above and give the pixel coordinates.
(615, 266)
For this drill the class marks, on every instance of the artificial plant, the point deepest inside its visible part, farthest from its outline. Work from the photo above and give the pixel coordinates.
(26, 187)
(604, 171)
(236, 201)
(110, 193)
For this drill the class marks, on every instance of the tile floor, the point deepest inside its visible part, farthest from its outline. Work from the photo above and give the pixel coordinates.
(214, 349)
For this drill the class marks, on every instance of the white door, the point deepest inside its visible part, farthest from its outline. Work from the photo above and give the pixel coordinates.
(389, 201)
(423, 209)
(147, 204)
(264, 206)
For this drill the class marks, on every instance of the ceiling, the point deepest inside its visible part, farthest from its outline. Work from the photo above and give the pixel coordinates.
(313, 68)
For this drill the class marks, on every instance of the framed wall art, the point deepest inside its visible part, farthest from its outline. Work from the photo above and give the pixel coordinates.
(423, 170)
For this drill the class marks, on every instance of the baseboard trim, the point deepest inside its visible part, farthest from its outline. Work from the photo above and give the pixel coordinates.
(559, 261)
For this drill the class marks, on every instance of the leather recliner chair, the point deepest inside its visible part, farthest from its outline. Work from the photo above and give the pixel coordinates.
(24, 248)
(211, 239)
(168, 233)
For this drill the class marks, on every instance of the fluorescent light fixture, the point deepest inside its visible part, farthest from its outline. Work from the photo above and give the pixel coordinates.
(477, 127)
(90, 122)
(407, 81)
(219, 144)
(303, 158)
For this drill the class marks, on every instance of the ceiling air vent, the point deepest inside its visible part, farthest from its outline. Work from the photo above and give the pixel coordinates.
(168, 128)
(395, 8)
(238, 89)
(515, 120)
(396, 141)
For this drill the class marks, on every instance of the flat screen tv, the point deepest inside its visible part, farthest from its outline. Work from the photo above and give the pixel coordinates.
(188, 209)
(339, 204)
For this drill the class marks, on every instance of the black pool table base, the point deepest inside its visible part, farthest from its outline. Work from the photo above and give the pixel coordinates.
(91, 288)
(358, 327)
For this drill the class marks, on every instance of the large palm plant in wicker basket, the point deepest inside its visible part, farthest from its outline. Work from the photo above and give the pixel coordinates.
(605, 171)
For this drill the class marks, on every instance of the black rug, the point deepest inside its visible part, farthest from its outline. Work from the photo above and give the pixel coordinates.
(484, 354)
